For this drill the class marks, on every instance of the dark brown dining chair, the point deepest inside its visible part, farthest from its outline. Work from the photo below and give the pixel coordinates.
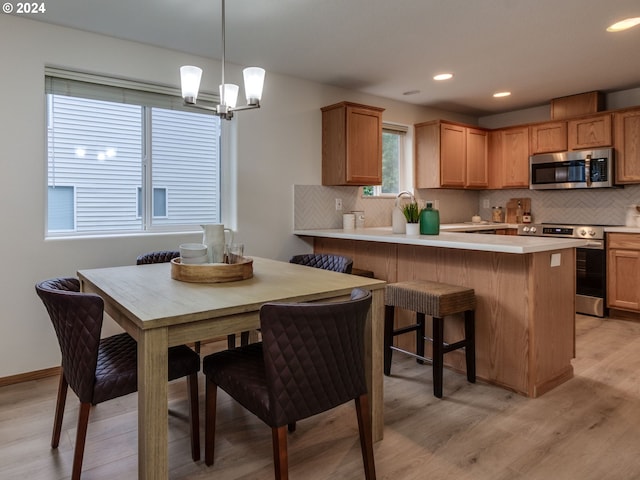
(310, 360)
(161, 256)
(165, 256)
(102, 369)
(325, 261)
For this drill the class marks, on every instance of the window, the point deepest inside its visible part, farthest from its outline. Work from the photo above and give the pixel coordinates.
(159, 202)
(127, 157)
(394, 179)
(61, 215)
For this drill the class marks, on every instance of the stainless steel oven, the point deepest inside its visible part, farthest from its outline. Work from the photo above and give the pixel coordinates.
(591, 269)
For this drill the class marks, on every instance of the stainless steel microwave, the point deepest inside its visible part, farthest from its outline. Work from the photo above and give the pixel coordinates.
(578, 169)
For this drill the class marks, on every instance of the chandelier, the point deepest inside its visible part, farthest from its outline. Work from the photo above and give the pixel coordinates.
(253, 82)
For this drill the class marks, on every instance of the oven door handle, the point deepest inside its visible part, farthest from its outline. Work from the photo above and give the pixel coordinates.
(587, 170)
(594, 244)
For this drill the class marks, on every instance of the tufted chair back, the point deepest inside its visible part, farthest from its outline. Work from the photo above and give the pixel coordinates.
(335, 263)
(313, 356)
(162, 256)
(77, 321)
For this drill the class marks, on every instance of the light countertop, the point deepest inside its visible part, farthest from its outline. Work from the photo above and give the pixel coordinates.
(622, 229)
(451, 237)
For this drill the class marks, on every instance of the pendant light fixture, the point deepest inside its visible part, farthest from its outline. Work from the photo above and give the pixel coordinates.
(253, 82)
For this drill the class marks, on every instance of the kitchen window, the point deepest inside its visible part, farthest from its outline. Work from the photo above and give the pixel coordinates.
(394, 177)
(127, 157)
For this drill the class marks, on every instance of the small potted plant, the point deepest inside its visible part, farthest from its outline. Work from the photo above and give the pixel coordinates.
(412, 214)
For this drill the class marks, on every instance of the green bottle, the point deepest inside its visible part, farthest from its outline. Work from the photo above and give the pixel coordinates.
(429, 221)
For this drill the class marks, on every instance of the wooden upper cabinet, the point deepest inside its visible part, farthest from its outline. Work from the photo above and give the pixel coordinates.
(477, 158)
(509, 158)
(351, 144)
(450, 155)
(427, 154)
(627, 145)
(453, 148)
(590, 132)
(548, 137)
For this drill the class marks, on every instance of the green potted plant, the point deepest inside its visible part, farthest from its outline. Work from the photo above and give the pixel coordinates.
(412, 214)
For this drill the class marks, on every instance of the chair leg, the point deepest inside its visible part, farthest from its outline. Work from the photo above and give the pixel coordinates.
(231, 341)
(196, 347)
(60, 403)
(366, 439)
(194, 415)
(210, 421)
(291, 427)
(420, 319)
(280, 455)
(389, 314)
(438, 354)
(470, 347)
(81, 435)
(244, 339)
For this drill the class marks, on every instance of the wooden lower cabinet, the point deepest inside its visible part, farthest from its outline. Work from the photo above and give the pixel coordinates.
(525, 318)
(623, 271)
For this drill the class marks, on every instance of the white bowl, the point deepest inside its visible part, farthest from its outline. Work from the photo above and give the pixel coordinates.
(194, 260)
(188, 250)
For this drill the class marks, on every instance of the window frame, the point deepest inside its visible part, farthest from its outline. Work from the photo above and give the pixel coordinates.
(134, 91)
(405, 164)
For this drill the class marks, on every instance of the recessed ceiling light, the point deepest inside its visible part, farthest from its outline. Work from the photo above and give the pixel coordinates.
(501, 94)
(443, 76)
(411, 92)
(624, 24)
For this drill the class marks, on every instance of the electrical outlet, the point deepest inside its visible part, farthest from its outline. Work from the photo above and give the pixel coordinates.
(338, 204)
(485, 203)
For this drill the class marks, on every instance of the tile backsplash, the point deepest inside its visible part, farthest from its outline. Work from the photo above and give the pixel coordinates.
(314, 205)
(601, 206)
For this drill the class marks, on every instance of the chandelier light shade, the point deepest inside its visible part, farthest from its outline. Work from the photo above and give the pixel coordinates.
(229, 94)
(253, 83)
(190, 80)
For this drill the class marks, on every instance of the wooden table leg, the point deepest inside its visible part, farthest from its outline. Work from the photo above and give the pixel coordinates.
(152, 404)
(374, 336)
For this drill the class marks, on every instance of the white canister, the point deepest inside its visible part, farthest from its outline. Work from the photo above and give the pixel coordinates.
(359, 214)
(398, 221)
(348, 221)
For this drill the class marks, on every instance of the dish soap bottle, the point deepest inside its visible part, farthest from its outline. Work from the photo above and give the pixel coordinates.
(429, 221)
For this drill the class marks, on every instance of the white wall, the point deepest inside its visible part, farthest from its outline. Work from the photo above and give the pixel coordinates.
(277, 146)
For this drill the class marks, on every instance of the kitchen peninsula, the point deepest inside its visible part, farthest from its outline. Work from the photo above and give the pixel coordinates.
(525, 318)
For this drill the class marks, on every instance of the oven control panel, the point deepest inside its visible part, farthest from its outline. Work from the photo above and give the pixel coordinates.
(563, 231)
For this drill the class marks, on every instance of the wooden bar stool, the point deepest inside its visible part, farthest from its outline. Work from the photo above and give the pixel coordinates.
(437, 300)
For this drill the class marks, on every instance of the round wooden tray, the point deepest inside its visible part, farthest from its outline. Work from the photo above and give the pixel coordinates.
(212, 272)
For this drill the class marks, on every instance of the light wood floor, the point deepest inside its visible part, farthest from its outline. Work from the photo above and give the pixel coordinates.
(588, 428)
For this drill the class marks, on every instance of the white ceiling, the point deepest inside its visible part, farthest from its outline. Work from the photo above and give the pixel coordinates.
(537, 49)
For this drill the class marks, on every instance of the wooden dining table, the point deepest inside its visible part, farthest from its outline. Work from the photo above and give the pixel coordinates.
(159, 312)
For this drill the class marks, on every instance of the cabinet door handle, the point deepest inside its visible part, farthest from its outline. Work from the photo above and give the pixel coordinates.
(587, 170)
